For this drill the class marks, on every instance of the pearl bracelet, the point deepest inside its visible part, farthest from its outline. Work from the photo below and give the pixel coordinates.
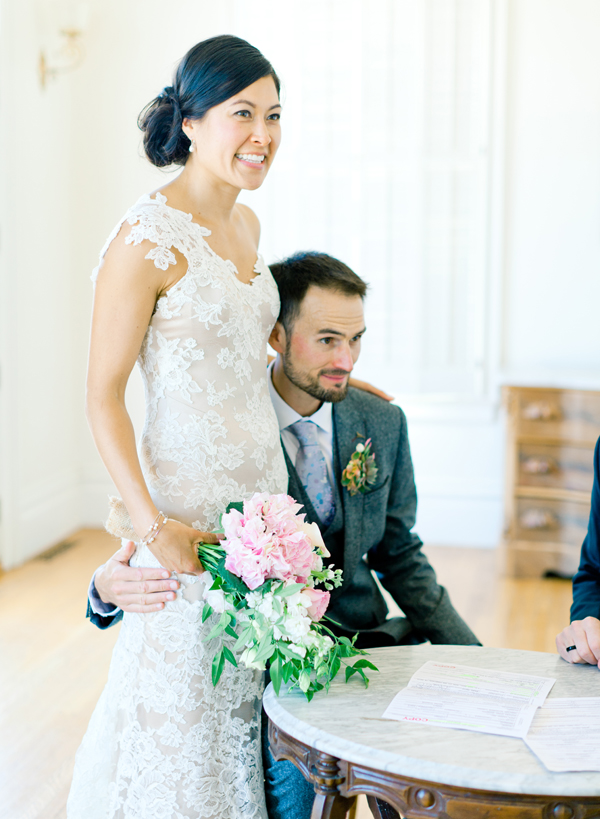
(154, 530)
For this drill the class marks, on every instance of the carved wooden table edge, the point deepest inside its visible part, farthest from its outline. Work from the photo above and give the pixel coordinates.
(337, 782)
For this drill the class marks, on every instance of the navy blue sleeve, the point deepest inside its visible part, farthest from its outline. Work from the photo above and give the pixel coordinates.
(103, 622)
(586, 583)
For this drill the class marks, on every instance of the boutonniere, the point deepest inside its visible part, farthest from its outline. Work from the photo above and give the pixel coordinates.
(360, 472)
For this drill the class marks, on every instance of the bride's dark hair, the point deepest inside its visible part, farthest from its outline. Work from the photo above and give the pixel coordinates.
(210, 73)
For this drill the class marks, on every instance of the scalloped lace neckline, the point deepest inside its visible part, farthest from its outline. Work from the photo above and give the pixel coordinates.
(161, 199)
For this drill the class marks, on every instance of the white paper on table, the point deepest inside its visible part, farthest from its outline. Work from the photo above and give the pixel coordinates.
(472, 699)
(565, 734)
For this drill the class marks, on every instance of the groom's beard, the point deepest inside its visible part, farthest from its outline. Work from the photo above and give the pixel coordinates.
(311, 385)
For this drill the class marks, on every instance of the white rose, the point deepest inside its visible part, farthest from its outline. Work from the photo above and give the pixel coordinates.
(360, 447)
(216, 600)
(248, 658)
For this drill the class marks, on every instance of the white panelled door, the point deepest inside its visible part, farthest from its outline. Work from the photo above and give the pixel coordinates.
(385, 164)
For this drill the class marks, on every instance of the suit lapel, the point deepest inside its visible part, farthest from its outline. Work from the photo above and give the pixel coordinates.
(347, 422)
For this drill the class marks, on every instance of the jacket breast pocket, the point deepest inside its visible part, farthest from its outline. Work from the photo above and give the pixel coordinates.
(377, 489)
(374, 513)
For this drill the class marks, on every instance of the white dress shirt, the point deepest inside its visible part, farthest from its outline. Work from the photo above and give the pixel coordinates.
(323, 418)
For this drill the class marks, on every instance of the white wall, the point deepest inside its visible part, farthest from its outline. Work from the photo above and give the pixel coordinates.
(551, 329)
(39, 398)
(72, 166)
(545, 249)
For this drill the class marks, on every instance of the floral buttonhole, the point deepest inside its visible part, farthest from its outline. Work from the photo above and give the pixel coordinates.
(361, 471)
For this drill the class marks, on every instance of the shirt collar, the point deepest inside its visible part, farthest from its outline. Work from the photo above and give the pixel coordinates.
(323, 417)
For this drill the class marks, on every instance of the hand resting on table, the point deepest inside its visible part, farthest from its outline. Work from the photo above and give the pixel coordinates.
(585, 635)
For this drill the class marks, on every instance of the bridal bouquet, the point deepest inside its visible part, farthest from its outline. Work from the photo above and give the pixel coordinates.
(264, 576)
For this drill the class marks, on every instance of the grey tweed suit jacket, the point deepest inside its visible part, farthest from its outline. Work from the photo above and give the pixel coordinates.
(377, 530)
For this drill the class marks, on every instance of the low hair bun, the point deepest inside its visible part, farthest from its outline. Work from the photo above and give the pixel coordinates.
(210, 73)
(164, 141)
(170, 95)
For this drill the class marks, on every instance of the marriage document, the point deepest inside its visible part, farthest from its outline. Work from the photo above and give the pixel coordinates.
(473, 699)
(565, 734)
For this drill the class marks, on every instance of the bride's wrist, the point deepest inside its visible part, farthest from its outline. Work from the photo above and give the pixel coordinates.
(155, 528)
(142, 519)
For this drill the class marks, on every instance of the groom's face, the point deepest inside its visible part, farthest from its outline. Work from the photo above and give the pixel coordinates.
(323, 345)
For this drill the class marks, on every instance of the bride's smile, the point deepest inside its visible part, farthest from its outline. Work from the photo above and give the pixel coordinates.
(235, 142)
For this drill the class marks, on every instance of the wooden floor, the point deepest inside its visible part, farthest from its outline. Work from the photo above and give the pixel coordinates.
(54, 663)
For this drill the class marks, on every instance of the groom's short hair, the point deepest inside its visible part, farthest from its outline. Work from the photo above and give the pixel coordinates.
(297, 273)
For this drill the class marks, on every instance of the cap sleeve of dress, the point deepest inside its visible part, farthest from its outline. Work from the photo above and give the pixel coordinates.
(153, 220)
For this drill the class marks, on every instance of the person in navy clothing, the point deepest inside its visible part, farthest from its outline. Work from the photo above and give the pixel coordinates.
(580, 641)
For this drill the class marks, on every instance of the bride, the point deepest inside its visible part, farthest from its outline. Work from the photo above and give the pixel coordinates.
(181, 288)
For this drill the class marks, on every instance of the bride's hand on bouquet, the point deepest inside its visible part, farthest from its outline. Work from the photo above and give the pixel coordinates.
(176, 547)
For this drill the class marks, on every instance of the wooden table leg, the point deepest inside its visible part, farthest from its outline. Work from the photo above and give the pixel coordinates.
(329, 803)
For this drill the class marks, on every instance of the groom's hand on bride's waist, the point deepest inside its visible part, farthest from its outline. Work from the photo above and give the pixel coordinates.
(133, 589)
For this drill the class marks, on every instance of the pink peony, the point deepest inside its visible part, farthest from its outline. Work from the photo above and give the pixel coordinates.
(253, 507)
(298, 553)
(243, 563)
(281, 515)
(232, 523)
(319, 602)
(279, 567)
(254, 535)
(270, 541)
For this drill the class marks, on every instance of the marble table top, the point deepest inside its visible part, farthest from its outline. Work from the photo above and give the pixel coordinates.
(346, 723)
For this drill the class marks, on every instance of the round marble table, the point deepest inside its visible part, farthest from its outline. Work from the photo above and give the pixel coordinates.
(340, 743)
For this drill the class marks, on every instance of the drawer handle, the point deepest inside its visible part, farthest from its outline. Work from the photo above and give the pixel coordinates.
(540, 411)
(535, 465)
(538, 519)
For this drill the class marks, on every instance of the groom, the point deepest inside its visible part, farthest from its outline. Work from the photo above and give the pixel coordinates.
(323, 424)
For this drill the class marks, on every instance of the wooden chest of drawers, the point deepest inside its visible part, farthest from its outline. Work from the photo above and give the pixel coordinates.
(549, 474)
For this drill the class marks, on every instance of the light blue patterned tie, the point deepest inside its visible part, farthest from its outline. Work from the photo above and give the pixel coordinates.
(312, 470)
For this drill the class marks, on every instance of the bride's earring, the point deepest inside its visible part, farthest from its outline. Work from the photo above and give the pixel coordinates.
(192, 146)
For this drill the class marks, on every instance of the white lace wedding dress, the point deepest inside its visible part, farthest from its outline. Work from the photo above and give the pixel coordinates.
(163, 743)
